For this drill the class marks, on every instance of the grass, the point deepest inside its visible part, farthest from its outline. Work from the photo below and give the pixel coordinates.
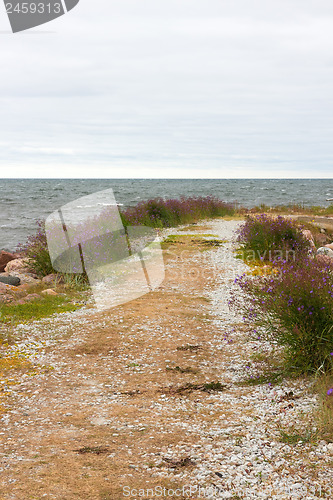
(294, 208)
(193, 240)
(209, 387)
(267, 377)
(35, 310)
(13, 362)
(324, 413)
(294, 435)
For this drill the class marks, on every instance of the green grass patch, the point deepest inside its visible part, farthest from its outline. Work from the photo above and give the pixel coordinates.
(293, 436)
(35, 310)
(267, 377)
(194, 240)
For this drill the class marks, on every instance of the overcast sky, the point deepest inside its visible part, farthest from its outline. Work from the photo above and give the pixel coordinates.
(170, 88)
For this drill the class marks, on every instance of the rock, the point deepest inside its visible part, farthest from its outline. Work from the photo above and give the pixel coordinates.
(26, 279)
(307, 234)
(100, 421)
(49, 291)
(321, 239)
(325, 251)
(32, 296)
(330, 245)
(4, 288)
(325, 260)
(6, 257)
(18, 266)
(29, 298)
(6, 298)
(23, 288)
(330, 448)
(53, 279)
(10, 280)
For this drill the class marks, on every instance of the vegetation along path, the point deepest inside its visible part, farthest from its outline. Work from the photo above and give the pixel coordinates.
(162, 392)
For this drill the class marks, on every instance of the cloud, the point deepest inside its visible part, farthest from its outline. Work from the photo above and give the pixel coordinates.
(180, 88)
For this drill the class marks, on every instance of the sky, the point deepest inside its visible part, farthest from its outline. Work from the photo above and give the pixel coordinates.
(170, 89)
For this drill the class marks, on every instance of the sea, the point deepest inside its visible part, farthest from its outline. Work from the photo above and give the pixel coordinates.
(25, 201)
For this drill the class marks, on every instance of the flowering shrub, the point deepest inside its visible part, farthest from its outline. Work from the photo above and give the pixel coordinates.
(268, 238)
(295, 308)
(35, 249)
(154, 213)
(172, 212)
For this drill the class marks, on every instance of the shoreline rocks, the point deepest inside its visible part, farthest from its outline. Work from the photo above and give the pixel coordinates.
(17, 281)
(10, 280)
(5, 258)
(18, 265)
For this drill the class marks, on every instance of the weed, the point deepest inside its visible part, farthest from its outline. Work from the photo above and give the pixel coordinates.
(298, 436)
(96, 450)
(176, 464)
(206, 387)
(268, 377)
(189, 347)
(188, 369)
(324, 412)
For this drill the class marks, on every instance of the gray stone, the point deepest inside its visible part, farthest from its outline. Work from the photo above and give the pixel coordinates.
(12, 280)
(325, 251)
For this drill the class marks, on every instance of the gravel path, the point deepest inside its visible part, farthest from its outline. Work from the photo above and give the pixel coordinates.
(230, 439)
(255, 464)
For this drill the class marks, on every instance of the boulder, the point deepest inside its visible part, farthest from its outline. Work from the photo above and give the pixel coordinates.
(18, 266)
(27, 279)
(31, 297)
(6, 257)
(53, 279)
(325, 260)
(307, 234)
(49, 291)
(10, 280)
(330, 245)
(321, 239)
(325, 251)
(6, 293)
